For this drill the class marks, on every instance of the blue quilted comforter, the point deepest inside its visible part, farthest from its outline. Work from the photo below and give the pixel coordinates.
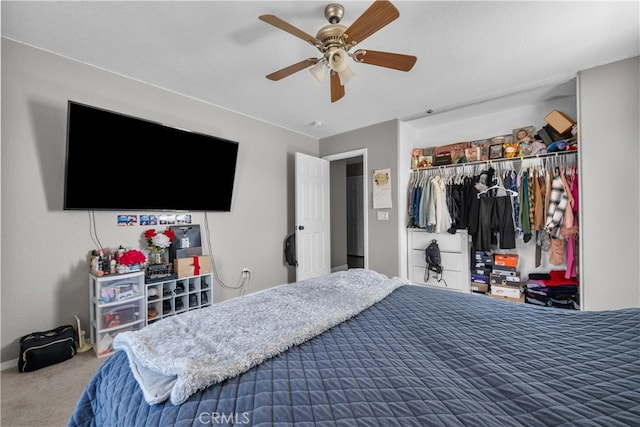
(420, 357)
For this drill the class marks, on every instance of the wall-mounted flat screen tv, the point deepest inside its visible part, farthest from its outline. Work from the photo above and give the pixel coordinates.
(119, 162)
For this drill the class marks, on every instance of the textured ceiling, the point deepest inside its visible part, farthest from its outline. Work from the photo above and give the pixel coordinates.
(219, 52)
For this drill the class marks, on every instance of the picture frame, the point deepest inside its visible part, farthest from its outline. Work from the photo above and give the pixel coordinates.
(526, 134)
(425, 162)
(473, 154)
(484, 147)
(495, 151)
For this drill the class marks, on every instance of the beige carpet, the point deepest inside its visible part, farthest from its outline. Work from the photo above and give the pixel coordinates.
(45, 397)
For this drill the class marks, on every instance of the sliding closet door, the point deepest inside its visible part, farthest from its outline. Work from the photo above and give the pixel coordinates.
(610, 185)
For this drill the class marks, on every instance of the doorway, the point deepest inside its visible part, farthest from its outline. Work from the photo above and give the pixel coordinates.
(348, 201)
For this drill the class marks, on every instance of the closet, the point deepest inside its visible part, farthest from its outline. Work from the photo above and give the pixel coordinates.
(605, 102)
(498, 206)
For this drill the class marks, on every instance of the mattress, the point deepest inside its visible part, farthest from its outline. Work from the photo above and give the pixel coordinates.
(420, 356)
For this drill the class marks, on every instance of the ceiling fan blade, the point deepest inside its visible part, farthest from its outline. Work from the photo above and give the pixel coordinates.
(285, 26)
(378, 15)
(337, 90)
(396, 61)
(287, 71)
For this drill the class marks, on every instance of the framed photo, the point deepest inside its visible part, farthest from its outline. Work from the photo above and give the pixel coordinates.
(484, 148)
(425, 162)
(495, 151)
(525, 134)
(473, 154)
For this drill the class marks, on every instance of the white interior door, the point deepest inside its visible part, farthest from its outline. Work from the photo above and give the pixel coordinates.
(312, 217)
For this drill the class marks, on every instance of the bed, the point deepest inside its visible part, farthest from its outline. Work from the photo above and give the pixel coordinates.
(408, 355)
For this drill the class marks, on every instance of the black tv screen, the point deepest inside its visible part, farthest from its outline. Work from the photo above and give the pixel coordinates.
(119, 162)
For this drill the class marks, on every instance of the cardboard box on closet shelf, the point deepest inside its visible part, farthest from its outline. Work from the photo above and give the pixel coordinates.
(559, 121)
(519, 299)
(506, 291)
(506, 260)
(186, 267)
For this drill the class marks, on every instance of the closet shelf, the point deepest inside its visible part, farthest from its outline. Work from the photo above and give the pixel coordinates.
(501, 160)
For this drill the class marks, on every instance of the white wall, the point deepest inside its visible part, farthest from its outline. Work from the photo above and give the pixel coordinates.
(380, 140)
(609, 107)
(44, 249)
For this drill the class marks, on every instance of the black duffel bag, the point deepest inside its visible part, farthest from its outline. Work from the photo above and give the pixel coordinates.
(40, 349)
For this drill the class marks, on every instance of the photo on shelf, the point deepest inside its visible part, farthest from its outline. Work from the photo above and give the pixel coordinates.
(495, 151)
(524, 134)
(524, 137)
(425, 162)
(483, 144)
(474, 154)
(416, 153)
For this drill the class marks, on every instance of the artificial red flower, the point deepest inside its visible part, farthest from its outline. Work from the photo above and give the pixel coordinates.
(132, 256)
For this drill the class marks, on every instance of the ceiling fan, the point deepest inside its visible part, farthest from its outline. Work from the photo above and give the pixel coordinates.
(334, 41)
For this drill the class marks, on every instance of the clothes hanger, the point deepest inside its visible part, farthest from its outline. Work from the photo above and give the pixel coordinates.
(498, 187)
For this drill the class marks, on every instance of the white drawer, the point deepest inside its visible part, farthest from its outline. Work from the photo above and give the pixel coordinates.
(454, 279)
(446, 242)
(450, 260)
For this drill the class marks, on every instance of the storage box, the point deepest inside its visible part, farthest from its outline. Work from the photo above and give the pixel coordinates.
(479, 287)
(497, 280)
(507, 260)
(186, 267)
(479, 278)
(559, 121)
(506, 291)
(442, 159)
(504, 270)
(456, 151)
(520, 299)
(513, 280)
(502, 280)
(484, 271)
(482, 257)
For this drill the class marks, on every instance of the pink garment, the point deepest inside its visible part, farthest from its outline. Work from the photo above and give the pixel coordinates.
(556, 252)
(572, 231)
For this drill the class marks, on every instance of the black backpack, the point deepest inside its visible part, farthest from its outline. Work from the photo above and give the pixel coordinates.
(290, 250)
(432, 257)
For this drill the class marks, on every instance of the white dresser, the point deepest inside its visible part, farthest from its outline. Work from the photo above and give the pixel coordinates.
(454, 253)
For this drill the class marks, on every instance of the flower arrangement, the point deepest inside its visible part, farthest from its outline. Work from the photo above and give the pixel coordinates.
(158, 242)
(131, 257)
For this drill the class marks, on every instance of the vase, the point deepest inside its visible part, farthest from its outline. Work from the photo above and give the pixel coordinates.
(156, 257)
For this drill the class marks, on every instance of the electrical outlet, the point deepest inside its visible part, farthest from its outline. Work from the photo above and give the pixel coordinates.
(245, 270)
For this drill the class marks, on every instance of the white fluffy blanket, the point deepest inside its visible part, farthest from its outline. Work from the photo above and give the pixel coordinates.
(179, 355)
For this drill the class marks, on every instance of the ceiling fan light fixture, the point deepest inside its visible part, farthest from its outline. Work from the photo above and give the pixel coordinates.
(338, 60)
(335, 40)
(338, 63)
(319, 71)
(345, 75)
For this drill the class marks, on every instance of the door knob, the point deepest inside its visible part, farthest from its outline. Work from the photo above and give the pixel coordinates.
(301, 227)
